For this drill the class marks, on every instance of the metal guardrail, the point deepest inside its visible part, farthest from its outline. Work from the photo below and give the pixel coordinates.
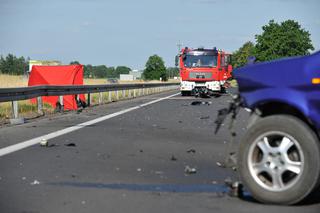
(23, 93)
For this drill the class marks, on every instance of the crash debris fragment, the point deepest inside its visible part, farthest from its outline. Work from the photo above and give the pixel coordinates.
(198, 103)
(35, 182)
(235, 187)
(173, 158)
(71, 144)
(191, 150)
(190, 170)
(44, 142)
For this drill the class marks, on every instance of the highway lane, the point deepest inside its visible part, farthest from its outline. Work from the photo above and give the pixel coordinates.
(134, 162)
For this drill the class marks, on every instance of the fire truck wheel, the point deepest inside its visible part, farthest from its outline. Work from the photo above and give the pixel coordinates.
(185, 93)
(279, 160)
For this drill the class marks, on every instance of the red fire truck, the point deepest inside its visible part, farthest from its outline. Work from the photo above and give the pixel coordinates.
(203, 71)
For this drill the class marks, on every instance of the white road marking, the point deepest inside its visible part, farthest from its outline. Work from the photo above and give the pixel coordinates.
(31, 142)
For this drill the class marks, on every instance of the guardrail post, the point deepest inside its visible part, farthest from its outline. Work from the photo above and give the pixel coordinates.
(100, 97)
(123, 94)
(89, 99)
(61, 103)
(117, 95)
(110, 96)
(15, 109)
(39, 104)
(134, 93)
(15, 115)
(129, 93)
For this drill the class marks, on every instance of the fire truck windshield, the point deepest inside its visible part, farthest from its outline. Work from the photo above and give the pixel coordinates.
(200, 61)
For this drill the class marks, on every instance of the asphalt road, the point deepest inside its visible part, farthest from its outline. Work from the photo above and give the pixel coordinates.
(133, 162)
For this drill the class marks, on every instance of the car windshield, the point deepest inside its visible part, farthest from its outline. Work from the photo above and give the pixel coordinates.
(200, 61)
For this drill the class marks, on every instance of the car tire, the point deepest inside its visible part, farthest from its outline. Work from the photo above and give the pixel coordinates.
(279, 160)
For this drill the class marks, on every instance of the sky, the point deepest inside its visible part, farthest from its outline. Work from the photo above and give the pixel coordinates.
(127, 32)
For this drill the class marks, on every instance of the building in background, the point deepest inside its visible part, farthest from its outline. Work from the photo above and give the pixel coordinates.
(133, 75)
(126, 77)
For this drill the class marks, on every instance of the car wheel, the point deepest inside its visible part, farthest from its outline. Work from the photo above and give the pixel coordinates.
(279, 160)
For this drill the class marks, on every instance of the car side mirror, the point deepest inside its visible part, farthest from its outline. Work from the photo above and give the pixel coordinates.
(251, 60)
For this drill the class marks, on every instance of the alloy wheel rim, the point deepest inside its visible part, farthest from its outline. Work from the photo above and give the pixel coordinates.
(276, 161)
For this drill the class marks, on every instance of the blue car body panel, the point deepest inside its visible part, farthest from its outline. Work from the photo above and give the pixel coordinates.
(287, 81)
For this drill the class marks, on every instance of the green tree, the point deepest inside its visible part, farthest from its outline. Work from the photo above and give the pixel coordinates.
(282, 40)
(155, 69)
(111, 72)
(240, 56)
(172, 72)
(74, 63)
(99, 71)
(13, 65)
(122, 70)
(87, 71)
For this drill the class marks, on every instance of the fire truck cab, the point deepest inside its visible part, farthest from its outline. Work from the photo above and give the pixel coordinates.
(203, 71)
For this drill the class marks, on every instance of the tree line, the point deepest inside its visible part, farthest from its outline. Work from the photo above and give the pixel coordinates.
(102, 71)
(155, 68)
(277, 40)
(13, 65)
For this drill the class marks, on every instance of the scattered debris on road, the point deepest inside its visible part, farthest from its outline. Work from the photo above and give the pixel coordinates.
(139, 170)
(219, 164)
(35, 182)
(191, 150)
(173, 158)
(235, 187)
(190, 170)
(71, 144)
(43, 142)
(230, 162)
(198, 103)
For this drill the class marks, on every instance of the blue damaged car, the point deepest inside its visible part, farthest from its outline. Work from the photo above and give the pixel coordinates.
(279, 155)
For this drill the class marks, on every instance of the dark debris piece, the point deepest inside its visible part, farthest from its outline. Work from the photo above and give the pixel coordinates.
(191, 151)
(173, 158)
(71, 144)
(198, 103)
